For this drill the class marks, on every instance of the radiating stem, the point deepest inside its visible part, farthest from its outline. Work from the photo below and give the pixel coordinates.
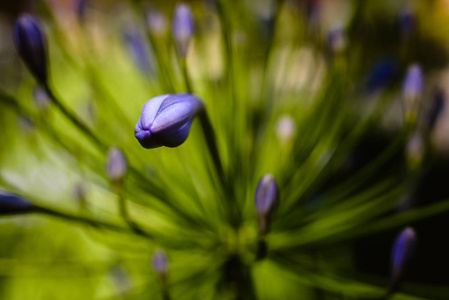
(185, 73)
(75, 120)
(211, 142)
(123, 207)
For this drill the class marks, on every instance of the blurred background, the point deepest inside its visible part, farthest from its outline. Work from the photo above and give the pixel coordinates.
(313, 91)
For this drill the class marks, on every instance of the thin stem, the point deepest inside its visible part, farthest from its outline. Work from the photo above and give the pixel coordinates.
(211, 142)
(123, 207)
(75, 120)
(185, 73)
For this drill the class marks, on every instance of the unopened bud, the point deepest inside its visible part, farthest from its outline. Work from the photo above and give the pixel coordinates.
(116, 165)
(157, 22)
(401, 254)
(413, 83)
(183, 27)
(265, 199)
(166, 120)
(13, 204)
(30, 42)
(160, 263)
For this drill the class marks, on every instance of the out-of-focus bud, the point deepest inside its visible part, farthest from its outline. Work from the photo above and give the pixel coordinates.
(183, 27)
(80, 7)
(265, 199)
(160, 263)
(166, 120)
(435, 110)
(336, 39)
(415, 151)
(413, 83)
(41, 98)
(30, 42)
(407, 21)
(401, 254)
(157, 22)
(380, 75)
(13, 204)
(117, 165)
(138, 50)
(285, 129)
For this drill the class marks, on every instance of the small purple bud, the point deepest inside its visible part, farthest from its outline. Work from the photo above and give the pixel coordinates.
(336, 39)
(285, 128)
(265, 199)
(407, 21)
(80, 9)
(117, 164)
(402, 252)
(30, 42)
(160, 263)
(41, 98)
(166, 120)
(380, 75)
(12, 204)
(138, 50)
(157, 22)
(414, 82)
(183, 27)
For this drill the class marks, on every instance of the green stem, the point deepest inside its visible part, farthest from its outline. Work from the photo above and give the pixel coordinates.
(209, 135)
(185, 73)
(123, 207)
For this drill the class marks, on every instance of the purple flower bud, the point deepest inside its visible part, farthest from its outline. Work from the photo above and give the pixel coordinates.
(166, 120)
(117, 164)
(138, 50)
(12, 204)
(414, 82)
(160, 263)
(183, 27)
(157, 22)
(80, 9)
(30, 42)
(380, 75)
(265, 200)
(41, 98)
(336, 39)
(402, 251)
(407, 21)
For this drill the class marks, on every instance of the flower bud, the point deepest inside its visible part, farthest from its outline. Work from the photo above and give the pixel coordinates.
(117, 164)
(413, 83)
(336, 39)
(30, 42)
(12, 204)
(435, 110)
(80, 7)
(137, 49)
(402, 251)
(166, 120)
(160, 263)
(183, 27)
(285, 128)
(157, 23)
(415, 151)
(41, 98)
(265, 200)
(380, 75)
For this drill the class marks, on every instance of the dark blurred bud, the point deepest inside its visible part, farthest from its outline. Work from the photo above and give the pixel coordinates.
(30, 42)
(285, 129)
(414, 82)
(183, 27)
(166, 120)
(415, 151)
(12, 204)
(160, 263)
(157, 22)
(138, 49)
(117, 165)
(41, 98)
(336, 39)
(380, 75)
(80, 9)
(435, 109)
(265, 200)
(407, 21)
(401, 254)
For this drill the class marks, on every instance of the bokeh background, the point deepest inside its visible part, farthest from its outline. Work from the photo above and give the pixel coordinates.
(313, 93)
